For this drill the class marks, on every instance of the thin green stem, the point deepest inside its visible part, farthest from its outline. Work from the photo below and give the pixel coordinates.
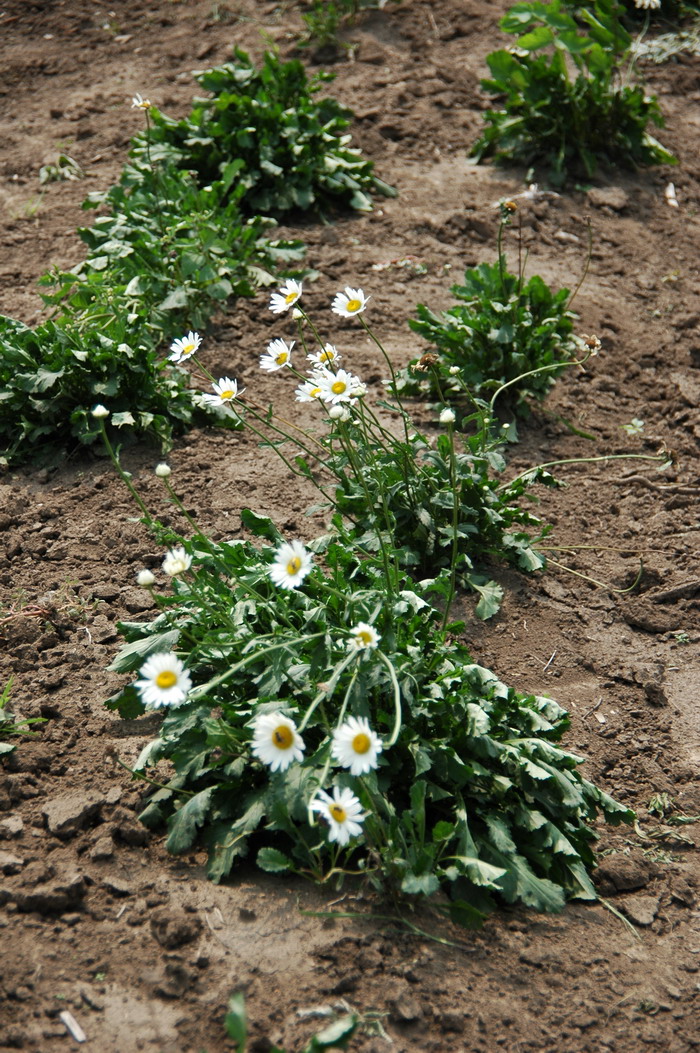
(397, 700)
(124, 476)
(583, 460)
(202, 689)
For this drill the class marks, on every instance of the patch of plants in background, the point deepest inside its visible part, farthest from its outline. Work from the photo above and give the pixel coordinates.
(325, 19)
(506, 335)
(293, 146)
(569, 124)
(320, 712)
(178, 240)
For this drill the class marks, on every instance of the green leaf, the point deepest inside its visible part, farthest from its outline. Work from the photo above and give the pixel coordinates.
(186, 820)
(260, 526)
(236, 1021)
(273, 861)
(132, 655)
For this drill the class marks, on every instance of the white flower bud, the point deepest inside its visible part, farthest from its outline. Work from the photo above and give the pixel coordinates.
(454, 370)
(447, 416)
(339, 412)
(297, 314)
(163, 470)
(145, 578)
(100, 412)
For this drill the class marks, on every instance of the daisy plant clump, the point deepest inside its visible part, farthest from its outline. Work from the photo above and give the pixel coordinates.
(567, 103)
(319, 712)
(320, 718)
(505, 341)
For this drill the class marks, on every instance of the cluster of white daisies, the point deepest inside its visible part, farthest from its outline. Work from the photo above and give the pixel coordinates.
(325, 381)
(164, 682)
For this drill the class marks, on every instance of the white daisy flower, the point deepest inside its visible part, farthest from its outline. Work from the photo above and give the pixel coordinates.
(287, 296)
(356, 746)
(164, 681)
(276, 741)
(292, 564)
(145, 578)
(309, 391)
(363, 637)
(279, 354)
(226, 391)
(328, 356)
(336, 387)
(163, 470)
(343, 813)
(184, 347)
(349, 303)
(447, 416)
(176, 561)
(100, 412)
(137, 103)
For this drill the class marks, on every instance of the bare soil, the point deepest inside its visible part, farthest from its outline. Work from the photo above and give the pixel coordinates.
(97, 919)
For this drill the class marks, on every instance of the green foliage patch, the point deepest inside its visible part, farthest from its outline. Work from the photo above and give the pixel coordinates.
(293, 145)
(570, 124)
(504, 331)
(472, 792)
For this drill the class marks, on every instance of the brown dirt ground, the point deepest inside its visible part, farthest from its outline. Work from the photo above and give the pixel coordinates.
(137, 945)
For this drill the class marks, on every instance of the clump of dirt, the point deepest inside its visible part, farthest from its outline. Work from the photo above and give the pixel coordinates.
(98, 920)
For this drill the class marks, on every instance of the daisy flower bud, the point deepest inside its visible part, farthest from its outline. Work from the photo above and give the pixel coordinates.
(349, 303)
(276, 741)
(164, 682)
(100, 412)
(297, 314)
(145, 578)
(356, 746)
(447, 416)
(176, 561)
(341, 413)
(163, 470)
(343, 813)
(454, 370)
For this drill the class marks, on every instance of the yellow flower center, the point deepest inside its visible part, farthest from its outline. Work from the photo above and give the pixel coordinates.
(338, 812)
(353, 305)
(326, 356)
(294, 566)
(187, 348)
(226, 395)
(282, 737)
(315, 392)
(365, 637)
(339, 387)
(281, 358)
(166, 679)
(361, 743)
(290, 297)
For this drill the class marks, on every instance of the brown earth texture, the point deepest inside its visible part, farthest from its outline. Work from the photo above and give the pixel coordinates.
(96, 918)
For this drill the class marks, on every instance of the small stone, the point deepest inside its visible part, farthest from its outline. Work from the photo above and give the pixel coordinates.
(11, 826)
(103, 848)
(608, 197)
(406, 1009)
(10, 864)
(640, 909)
(173, 928)
(63, 894)
(118, 886)
(66, 815)
(622, 873)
